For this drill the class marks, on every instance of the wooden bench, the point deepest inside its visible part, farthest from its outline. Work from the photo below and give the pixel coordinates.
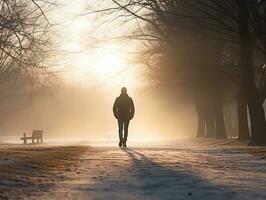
(36, 135)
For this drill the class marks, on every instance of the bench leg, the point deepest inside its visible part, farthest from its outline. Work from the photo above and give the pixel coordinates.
(24, 138)
(32, 141)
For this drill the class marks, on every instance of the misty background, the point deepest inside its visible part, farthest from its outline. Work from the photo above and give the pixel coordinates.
(75, 100)
(82, 112)
(184, 83)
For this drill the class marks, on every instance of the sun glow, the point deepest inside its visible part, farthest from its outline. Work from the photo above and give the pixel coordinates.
(91, 58)
(109, 68)
(110, 64)
(100, 62)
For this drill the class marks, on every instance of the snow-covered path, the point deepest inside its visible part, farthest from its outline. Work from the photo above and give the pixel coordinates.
(182, 170)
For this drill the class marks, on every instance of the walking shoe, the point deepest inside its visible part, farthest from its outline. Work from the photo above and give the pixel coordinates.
(120, 143)
(125, 144)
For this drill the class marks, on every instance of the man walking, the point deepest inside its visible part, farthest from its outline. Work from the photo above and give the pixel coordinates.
(124, 111)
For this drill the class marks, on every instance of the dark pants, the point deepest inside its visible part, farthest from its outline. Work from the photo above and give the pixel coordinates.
(123, 124)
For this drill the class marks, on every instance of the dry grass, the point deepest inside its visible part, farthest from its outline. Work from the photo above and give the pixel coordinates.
(35, 167)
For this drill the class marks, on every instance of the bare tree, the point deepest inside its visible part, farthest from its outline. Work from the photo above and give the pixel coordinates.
(237, 22)
(24, 46)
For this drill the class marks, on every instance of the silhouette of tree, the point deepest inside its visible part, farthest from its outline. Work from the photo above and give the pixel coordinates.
(175, 27)
(24, 46)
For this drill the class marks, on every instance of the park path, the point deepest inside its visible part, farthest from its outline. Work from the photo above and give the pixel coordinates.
(183, 170)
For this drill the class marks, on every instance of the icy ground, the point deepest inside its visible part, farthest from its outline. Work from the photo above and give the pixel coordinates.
(187, 169)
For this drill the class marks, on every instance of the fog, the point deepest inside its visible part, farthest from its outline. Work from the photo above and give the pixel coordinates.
(85, 113)
(77, 102)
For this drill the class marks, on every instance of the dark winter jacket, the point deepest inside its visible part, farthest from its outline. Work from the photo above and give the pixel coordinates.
(124, 107)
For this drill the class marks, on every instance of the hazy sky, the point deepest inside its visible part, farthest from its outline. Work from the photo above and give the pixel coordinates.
(91, 53)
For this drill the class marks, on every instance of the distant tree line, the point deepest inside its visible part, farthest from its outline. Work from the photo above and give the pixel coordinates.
(215, 49)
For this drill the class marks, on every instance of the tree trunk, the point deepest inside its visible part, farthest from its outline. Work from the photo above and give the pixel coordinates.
(258, 125)
(210, 122)
(220, 124)
(243, 130)
(256, 111)
(201, 120)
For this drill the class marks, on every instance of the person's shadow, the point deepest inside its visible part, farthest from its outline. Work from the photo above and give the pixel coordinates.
(138, 177)
(163, 182)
